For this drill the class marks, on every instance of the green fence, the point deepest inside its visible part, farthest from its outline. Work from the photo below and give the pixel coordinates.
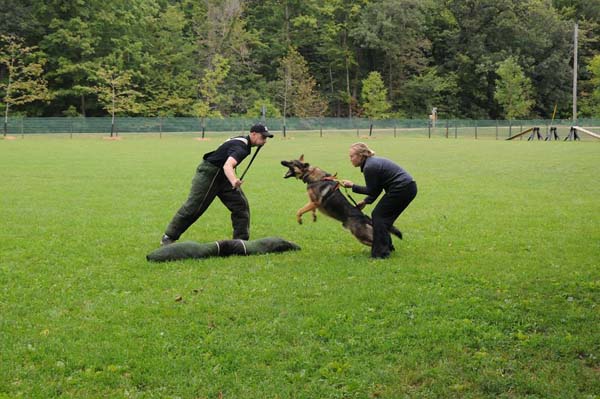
(491, 129)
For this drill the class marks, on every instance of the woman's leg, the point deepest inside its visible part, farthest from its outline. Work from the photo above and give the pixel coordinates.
(384, 215)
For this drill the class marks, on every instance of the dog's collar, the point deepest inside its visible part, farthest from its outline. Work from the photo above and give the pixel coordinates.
(305, 178)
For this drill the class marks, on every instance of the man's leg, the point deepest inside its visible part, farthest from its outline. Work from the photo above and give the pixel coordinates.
(236, 202)
(203, 191)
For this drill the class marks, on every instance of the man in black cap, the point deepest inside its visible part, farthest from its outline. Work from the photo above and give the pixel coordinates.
(215, 177)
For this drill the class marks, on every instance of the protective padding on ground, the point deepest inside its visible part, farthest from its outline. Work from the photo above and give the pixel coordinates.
(194, 250)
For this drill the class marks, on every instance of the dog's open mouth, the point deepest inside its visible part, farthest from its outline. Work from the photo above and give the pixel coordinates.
(290, 172)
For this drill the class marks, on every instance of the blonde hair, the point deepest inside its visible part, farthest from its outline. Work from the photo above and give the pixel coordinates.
(362, 149)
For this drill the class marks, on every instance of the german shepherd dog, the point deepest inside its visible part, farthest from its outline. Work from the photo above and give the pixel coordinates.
(324, 194)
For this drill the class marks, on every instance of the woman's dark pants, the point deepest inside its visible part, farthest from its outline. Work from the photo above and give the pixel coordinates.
(389, 207)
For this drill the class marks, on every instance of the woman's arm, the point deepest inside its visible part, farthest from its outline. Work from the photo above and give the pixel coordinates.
(373, 187)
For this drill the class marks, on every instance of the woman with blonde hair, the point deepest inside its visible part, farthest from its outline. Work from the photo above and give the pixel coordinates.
(381, 174)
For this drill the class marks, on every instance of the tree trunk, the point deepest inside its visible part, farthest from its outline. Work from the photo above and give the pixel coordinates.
(6, 119)
(287, 25)
(285, 90)
(357, 76)
(391, 81)
(347, 78)
(83, 105)
(112, 124)
(332, 90)
(7, 99)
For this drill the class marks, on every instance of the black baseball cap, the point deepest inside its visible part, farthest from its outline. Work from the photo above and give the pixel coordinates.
(262, 129)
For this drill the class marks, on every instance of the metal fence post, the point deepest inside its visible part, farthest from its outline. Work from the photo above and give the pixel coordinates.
(521, 129)
(496, 129)
(321, 127)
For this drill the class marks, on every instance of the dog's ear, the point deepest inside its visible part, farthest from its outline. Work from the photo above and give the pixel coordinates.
(301, 159)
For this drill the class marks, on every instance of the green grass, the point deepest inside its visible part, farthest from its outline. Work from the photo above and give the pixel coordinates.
(494, 291)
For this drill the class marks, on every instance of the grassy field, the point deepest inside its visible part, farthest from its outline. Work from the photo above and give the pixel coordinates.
(494, 292)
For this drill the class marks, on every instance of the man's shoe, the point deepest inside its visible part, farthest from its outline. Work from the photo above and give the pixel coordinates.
(166, 240)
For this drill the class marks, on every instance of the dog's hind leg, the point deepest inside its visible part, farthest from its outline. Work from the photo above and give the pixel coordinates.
(393, 230)
(362, 231)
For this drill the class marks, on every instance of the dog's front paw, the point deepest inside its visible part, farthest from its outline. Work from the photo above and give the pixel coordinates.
(314, 217)
(299, 220)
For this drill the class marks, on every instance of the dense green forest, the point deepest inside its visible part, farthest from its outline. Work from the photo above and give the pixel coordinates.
(343, 58)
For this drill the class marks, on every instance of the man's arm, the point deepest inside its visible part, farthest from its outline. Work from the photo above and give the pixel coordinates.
(228, 168)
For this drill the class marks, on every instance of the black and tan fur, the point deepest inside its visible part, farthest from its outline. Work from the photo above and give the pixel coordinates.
(324, 195)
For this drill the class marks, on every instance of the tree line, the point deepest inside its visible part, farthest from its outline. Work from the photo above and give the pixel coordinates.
(483, 59)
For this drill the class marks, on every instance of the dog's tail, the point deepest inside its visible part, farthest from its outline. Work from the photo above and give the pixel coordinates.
(395, 231)
(392, 228)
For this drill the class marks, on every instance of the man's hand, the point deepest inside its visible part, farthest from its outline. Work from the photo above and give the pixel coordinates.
(361, 205)
(237, 184)
(347, 183)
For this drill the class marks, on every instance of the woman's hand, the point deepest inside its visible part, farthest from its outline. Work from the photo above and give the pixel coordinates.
(347, 183)
(361, 205)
